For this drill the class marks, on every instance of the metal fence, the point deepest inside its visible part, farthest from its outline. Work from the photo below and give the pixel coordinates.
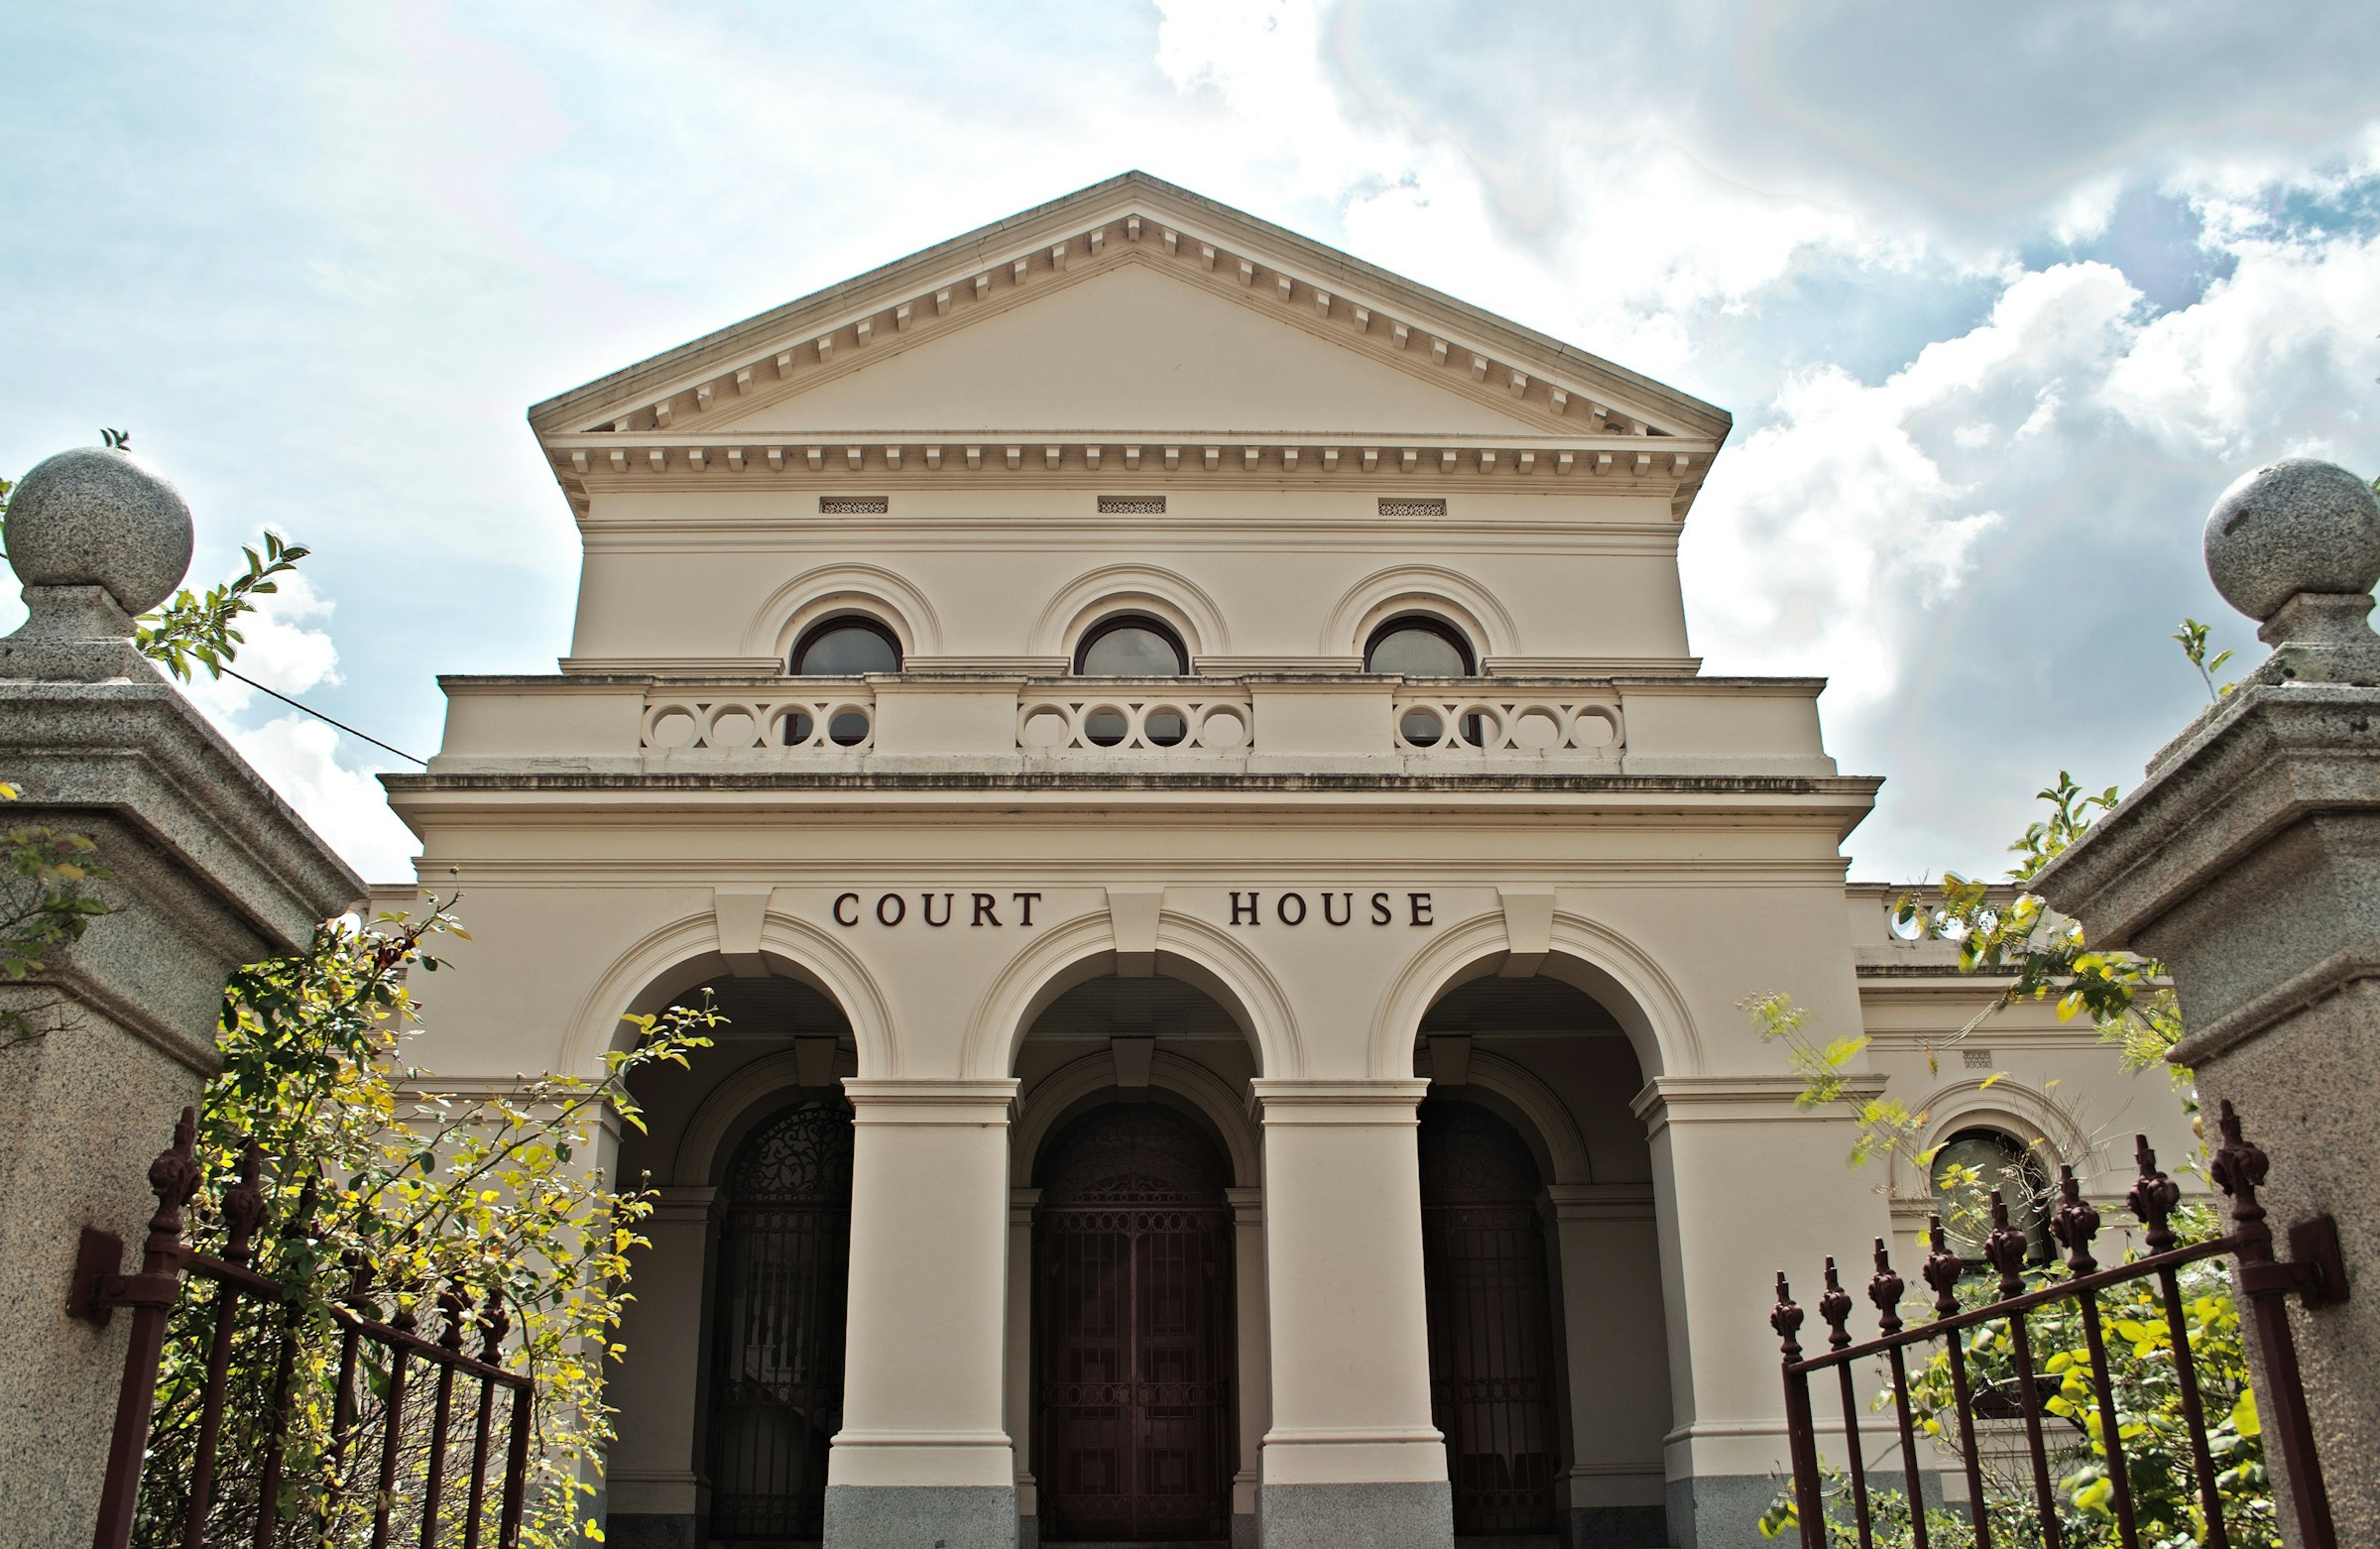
(2313, 1273)
(226, 1343)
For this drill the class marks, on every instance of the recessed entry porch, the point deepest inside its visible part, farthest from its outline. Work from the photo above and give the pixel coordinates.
(1138, 1316)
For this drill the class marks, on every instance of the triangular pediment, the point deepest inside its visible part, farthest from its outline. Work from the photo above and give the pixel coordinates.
(1126, 351)
(1132, 308)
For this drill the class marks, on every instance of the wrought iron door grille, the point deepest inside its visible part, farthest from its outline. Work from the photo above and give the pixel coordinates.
(1135, 1307)
(777, 1388)
(1492, 1387)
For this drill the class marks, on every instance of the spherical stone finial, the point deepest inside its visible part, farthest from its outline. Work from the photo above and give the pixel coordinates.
(2295, 525)
(98, 516)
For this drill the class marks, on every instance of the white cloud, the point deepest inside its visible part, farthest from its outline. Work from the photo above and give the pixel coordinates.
(299, 756)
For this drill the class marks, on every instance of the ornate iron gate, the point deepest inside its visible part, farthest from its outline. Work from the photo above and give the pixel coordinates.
(1134, 1277)
(776, 1391)
(1492, 1344)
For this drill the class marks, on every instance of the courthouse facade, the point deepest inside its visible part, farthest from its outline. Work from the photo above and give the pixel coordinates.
(1180, 754)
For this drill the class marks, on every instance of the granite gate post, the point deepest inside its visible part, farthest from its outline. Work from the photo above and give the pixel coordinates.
(210, 871)
(2248, 862)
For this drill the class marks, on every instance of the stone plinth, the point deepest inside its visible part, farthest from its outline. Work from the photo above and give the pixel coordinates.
(211, 870)
(2249, 862)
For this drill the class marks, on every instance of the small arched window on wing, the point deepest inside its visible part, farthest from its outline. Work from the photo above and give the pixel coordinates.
(1420, 646)
(1131, 645)
(844, 647)
(1976, 1166)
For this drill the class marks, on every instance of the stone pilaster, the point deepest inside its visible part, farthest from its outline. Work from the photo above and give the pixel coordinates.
(924, 1455)
(1351, 1456)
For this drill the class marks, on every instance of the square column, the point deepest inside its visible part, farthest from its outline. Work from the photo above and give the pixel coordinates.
(1745, 1183)
(1606, 1270)
(923, 1454)
(1020, 1381)
(1351, 1456)
(659, 1492)
(1256, 1359)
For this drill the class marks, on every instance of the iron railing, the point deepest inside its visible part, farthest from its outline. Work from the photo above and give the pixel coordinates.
(2313, 1272)
(376, 1461)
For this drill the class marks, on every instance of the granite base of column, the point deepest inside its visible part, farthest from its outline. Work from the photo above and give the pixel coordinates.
(1618, 1527)
(1356, 1516)
(650, 1530)
(909, 1516)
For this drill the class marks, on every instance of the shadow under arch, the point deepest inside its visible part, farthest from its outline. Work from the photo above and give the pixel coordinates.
(1419, 588)
(1519, 1097)
(1066, 1093)
(1595, 961)
(1192, 950)
(682, 954)
(732, 1110)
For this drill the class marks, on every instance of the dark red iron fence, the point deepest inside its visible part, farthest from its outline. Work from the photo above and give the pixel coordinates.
(381, 1468)
(2313, 1273)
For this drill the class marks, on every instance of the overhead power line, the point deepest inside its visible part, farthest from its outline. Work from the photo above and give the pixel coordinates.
(320, 716)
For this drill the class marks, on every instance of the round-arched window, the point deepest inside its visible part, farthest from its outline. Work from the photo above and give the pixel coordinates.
(846, 647)
(843, 646)
(1419, 645)
(1971, 1169)
(1131, 645)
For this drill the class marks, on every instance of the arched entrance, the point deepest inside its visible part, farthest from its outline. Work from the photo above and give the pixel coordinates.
(1133, 1331)
(1494, 1365)
(776, 1385)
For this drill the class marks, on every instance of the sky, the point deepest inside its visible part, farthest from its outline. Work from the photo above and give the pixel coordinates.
(2000, 297)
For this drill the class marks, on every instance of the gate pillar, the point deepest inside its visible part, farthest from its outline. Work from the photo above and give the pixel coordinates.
(1351, 1456)
(209, 870)
(923, 1456)
(2248, 862)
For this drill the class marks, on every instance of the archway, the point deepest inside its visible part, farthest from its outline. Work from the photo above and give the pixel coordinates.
(1136, 1161)
(1495, 1368)
(729, 1383)
(779, 1304)
(1133, 1316)
(1542, 1262)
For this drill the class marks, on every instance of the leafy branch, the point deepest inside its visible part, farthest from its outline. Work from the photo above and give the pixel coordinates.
(192, 629)
(2192, 640)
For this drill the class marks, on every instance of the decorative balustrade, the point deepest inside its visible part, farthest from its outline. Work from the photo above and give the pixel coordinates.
(1505, 723)
(1167, 719)
(826, 716)
(830, 717)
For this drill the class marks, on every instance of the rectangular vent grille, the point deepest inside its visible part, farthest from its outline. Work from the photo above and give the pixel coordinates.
(1976, 1059)
(1131, 504)
(1412, 508)
(854, 504)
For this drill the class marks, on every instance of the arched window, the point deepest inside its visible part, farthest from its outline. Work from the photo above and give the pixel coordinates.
(846, 647)
(1130, 645)
(1975, 1166)
(1419, 645)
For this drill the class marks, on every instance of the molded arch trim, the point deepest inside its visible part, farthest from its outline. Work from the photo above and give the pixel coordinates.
(819, 594)
(1590, 958)
(1191, 950)
(678, 956)
(1162, 594)
(1058, 1096)
(1424, 589)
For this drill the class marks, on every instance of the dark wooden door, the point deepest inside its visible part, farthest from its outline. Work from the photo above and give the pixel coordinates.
(776, 1382)
(1134, 1285)
(1493, 1368)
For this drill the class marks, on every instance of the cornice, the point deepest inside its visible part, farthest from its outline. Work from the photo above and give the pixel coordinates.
(1132, 217)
